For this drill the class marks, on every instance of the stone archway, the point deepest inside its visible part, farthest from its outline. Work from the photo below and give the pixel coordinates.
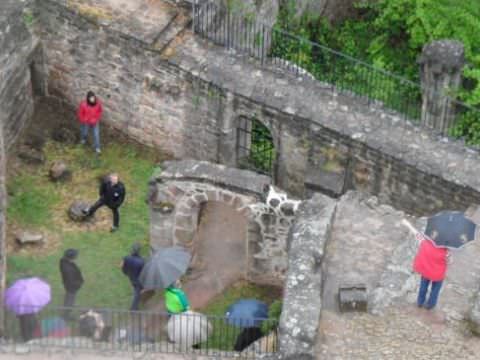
(238, 200)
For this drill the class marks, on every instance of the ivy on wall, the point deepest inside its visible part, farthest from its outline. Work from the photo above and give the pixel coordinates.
(390, 34)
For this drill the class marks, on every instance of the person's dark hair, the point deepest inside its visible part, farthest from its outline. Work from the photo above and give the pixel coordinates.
(70, 254)
(89, 95)
(135, 251)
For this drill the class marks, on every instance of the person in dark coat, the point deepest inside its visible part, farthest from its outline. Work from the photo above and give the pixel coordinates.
(28, 323)
(248, 336)
(71, 277)
(132, 266)
(112, 194)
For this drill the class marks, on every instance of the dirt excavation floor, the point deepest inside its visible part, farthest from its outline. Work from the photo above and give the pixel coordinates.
(221, 254)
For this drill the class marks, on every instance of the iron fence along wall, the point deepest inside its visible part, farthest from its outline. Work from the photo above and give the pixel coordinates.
(146, 331)
(275, 47)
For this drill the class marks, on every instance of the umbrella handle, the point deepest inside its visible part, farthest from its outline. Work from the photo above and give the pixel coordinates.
(410, 227)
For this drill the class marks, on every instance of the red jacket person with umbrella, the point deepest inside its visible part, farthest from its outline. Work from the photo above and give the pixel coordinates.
(445, 230)
(431, 263)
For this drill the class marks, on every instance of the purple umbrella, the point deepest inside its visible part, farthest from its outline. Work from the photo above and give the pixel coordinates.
(27, 296)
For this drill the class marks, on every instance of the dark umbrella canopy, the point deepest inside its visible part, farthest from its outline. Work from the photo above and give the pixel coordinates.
(450, 229)
(165, 267)
(247, 313)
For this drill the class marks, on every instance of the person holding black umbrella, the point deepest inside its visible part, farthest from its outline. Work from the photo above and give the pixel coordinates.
(132, 265)
(431, 263)
(72, 279)
(112, 194)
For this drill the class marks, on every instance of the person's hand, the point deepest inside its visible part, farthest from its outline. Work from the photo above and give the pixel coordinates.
(449, 259)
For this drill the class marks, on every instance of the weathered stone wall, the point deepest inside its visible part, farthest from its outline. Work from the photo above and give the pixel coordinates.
(189, 105)
(154, 103)
(302, 302)
(20, 67)
(19, 64)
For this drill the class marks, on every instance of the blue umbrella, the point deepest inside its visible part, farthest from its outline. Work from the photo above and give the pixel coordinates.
(450, 229)
(247, 313)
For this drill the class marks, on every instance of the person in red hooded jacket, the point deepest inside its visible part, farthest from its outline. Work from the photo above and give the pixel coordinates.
(431, 263)
(89, 114)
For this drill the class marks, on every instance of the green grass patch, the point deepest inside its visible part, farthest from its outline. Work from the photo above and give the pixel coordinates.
(37, 203)
(31, 202)
(224, 335)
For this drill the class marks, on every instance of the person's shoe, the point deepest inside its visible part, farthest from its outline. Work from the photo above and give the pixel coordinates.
(86, 211)
(429, 307)
(419, 305)
(98, 151)
(113, 229)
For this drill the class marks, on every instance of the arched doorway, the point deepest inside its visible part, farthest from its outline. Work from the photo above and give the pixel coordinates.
(220, 252)
(255, 146)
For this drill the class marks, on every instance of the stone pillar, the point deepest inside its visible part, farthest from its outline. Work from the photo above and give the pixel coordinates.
(228, 134)
(441, 66)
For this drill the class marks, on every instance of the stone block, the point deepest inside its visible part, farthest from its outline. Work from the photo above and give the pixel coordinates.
(31, 156)
(352, 298)
(26, 237)
(76, 211)
(59, 171)
(474, 315)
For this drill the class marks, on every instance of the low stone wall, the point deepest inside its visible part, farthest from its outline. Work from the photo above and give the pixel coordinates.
(302, 303)
(181, 187)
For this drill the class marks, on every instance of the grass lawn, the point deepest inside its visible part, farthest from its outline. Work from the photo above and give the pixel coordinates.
(38, 204)
(224, 335)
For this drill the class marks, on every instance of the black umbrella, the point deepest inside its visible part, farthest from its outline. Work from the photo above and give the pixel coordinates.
(450, 229)
(165, 267)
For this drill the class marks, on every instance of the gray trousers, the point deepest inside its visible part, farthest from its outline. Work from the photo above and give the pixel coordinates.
(69, 302)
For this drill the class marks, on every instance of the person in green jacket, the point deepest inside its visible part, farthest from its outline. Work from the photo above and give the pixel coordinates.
(176, 300)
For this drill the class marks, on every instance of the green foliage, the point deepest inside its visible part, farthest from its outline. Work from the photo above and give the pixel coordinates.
(274, 312)
(390, 35)
(28, 18)
(262, 151)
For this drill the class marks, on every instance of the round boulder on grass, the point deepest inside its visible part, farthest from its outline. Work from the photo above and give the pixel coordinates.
(59, 171)
(76, 211)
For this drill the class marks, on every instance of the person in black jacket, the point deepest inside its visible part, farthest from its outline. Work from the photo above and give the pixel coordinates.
(72, 279)
(132, 266)
(248, 336)
(112, 194)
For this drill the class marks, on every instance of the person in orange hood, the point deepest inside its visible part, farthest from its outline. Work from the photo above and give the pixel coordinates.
(89, 114)
(431, 263)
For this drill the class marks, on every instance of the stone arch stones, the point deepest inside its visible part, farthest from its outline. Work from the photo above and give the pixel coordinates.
(178, 191)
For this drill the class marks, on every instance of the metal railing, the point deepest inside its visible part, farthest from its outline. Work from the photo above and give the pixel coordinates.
(146, 331)
(276, 48)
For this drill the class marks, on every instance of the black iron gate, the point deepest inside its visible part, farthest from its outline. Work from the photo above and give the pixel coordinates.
(255, 149)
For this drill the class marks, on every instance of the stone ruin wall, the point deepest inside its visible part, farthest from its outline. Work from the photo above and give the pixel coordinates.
(21, 80)
(176, 196)
(21, 66)
(184, 113)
